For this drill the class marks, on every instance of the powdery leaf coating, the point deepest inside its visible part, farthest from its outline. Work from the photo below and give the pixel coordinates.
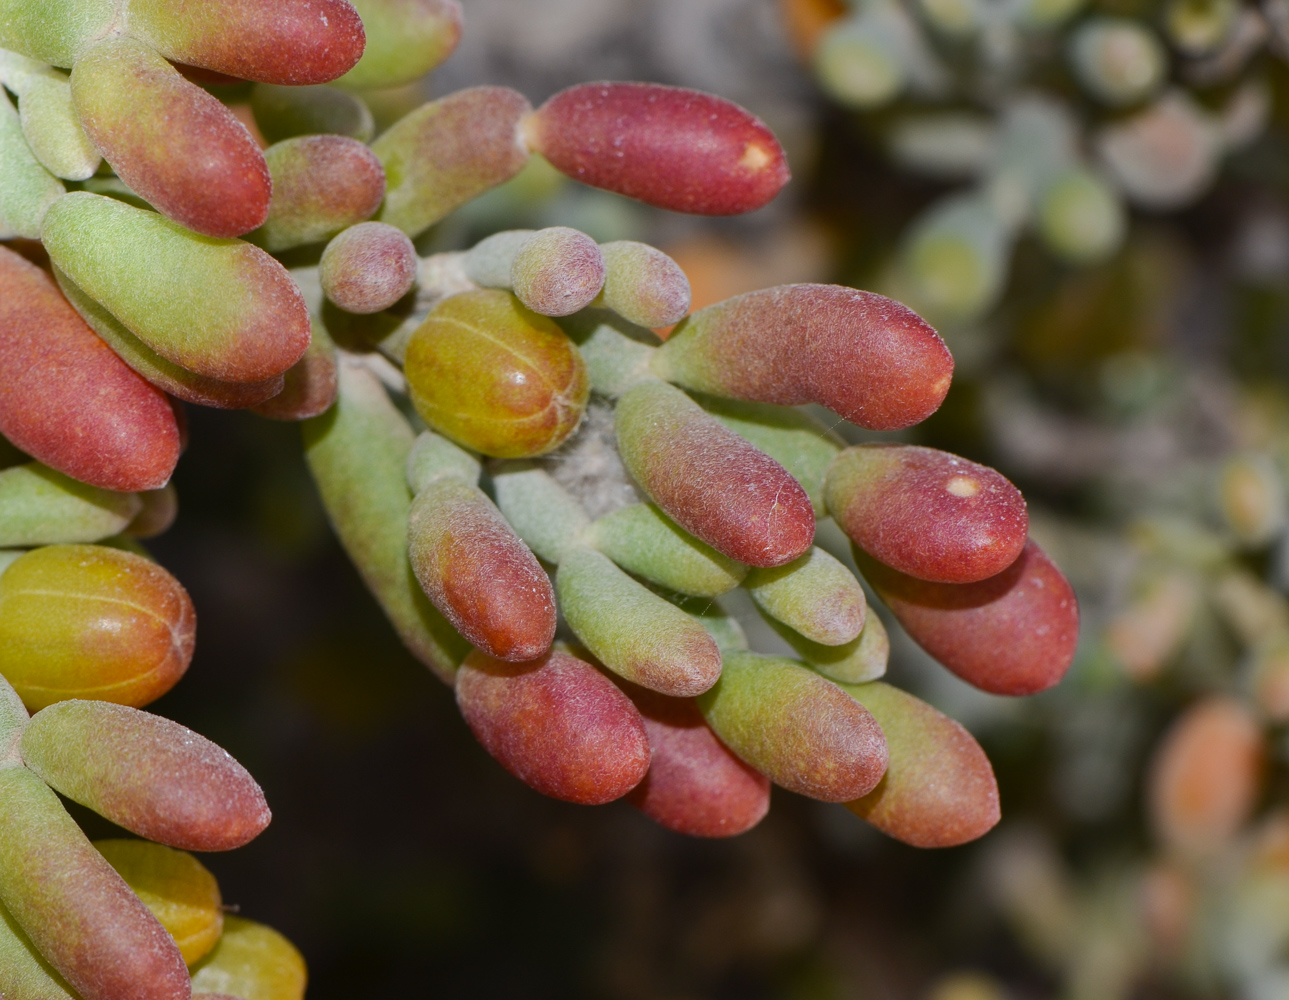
(666, 146)
(284, 112)
(173, 143)
(167, 376)
(309, 386)
(39, 506)
(175, 887)
(643, 285)
(867, 358)
(321, 185)
(801, 731)
(711, 481)
(939, 788)
(220, 308)
(1206, 775)
(368, 267)
(557, 724)
(815, 594)
(496, 377)
(89, 621)
(77, 911)
(147, 774)
(557, 271)
(290, 42)
(695, 786)
(926, 512)
(477, 572)
(645, 541)
(1014, 633)
(448, 152)
(67, 399)
(24, 973)
(633, 631)
(357, 452)
(405, 40)
(253, 962)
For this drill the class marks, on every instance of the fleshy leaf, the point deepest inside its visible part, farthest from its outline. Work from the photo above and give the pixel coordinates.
(801, 731)
(814, 594)
(695, 786)
(39, 506)
(478, 573)
(147, 774)
(495, 376)
(405, 40)
(309, 385)
(26, 188)
(644, 541)
(861, 660)
(557, 724)
(220, 308)
(449, 152)
(77, 911)
(557, 271)
(643, 285)
(666, 146)
(174, 144)
(285, 112)
(863, 356)
(710, 481)
(632, 631)
(253, 962)
(368, 267)
(926, 512)
(67, 399)
(939, 788)
(1014, 633)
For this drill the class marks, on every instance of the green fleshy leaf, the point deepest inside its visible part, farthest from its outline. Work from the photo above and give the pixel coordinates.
(814, 594)
(545, 515)
(644, 541)
(39, 506)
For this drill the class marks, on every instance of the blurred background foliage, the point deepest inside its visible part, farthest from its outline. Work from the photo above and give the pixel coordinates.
(1122, 355)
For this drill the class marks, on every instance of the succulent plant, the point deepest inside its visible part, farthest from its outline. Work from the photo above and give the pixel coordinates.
(448, 404)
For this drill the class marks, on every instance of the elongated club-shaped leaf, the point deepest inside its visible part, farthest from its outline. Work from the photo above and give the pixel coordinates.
(557, 724)
(174, 144)
(54, 31)
(175, 887)
(284, 112)
(801, 731)
(253, 962)
(633, 631)
(220, 308)
(710, 481)
(39, 506)
(856, 662)
(405, 40)
(309, 385)
(147, 774)
(74, 907)
(26, 188)
(291, 42)
(321, 185)
(433, 457)
(24, 973)
(557, 271)
(939, 788)
(82, 621)
(449, 152)
(695, 786)
(864, 356)
(368, 267)
(926, 512)
(796, 440)
(165, 375)
(544, 514)
(496, 377)
(478, 573)
(357, 452)
(643, 285)
(48, 119)
(814, 594)
(67, 399)
(643, 540)
(1014, 633)
(667, 146)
